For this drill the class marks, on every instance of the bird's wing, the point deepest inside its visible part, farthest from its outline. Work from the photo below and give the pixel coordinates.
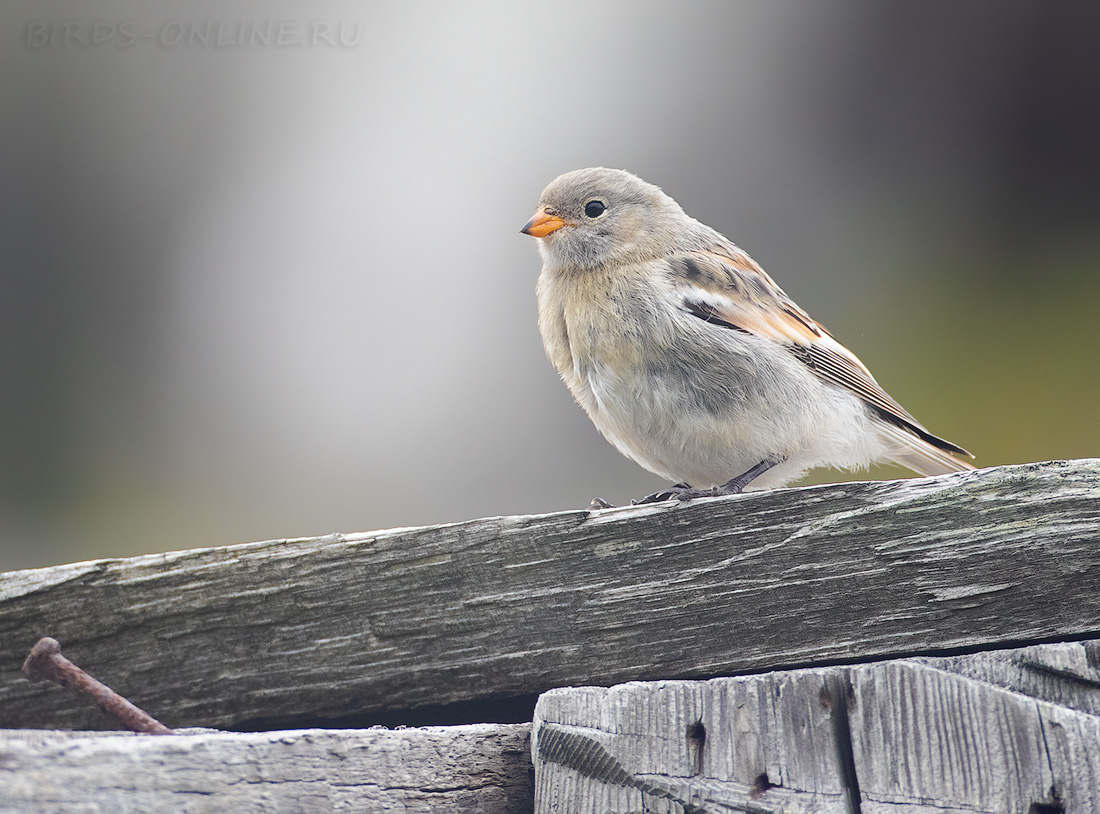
(724, 286)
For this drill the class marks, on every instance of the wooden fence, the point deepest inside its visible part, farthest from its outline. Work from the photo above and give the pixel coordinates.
(470, 622)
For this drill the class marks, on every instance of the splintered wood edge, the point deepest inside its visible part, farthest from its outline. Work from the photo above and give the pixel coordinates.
(314, 629)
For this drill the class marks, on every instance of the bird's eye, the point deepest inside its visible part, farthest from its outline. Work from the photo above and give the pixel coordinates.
(593, 209)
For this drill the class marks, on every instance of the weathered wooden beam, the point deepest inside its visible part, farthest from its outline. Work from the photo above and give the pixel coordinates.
(912, 736)
(758, 743)
(300, 630)
(485, 768)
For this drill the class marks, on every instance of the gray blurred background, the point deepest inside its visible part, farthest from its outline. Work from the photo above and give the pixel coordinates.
(253, 290)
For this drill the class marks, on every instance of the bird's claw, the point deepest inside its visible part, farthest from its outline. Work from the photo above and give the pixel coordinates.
(681, 491)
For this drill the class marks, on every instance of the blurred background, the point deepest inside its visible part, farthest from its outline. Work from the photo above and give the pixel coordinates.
(261, 273)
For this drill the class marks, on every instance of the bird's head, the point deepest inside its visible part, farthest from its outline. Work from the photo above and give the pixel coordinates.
(599, 217)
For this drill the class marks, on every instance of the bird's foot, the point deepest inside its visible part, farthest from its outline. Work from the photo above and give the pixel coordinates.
(599, 503)
(734, 486)
(681, 491)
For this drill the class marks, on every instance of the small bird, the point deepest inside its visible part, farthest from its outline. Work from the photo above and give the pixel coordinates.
(690, 359)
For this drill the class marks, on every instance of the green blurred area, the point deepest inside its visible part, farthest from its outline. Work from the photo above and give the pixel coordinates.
(996, 352)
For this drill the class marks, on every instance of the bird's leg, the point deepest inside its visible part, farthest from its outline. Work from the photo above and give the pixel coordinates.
(734, 486)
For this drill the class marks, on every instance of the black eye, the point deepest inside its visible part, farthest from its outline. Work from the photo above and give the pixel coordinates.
(593, 209)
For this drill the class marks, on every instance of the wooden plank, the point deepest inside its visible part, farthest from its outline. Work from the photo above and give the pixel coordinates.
(927, 741)
(298, 631)
(436, 769)
(899, 737)
(1066, 675)
(758, 743)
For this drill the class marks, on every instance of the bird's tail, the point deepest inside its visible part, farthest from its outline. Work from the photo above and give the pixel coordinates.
(926, 456)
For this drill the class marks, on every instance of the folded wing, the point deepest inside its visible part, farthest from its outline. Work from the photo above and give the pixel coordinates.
(725, 287)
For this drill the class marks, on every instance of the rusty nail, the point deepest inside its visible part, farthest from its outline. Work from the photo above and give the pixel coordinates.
(45, 663)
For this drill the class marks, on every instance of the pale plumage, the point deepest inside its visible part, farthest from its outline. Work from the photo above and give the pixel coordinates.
(691, 360)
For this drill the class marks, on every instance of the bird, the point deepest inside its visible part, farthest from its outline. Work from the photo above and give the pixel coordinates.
(691, 360)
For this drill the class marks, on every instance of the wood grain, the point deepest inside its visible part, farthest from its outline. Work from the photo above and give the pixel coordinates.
(928, 741)
(757, 743)
(300, 631)
(911, 736)
(420, 771)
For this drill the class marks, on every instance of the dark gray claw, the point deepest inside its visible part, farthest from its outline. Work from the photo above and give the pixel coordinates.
(680, 491)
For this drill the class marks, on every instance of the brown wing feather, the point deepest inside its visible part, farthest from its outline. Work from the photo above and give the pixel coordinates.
(726, 287)
(839, 369)
(754, 302)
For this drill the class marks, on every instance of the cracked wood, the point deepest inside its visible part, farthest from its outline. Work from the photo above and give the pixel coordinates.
(299, 631)
(975, 734)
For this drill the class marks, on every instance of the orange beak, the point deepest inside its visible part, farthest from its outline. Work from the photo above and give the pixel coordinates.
(542, 224)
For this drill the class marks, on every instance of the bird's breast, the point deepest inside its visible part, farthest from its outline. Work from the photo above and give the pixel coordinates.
(625, 349)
